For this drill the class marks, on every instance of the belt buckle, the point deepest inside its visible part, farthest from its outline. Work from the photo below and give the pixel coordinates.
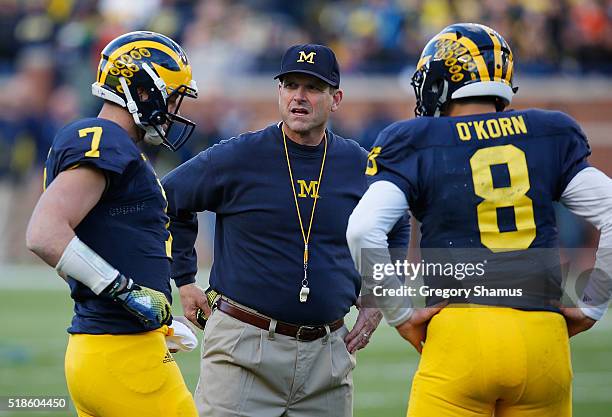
(298, 334)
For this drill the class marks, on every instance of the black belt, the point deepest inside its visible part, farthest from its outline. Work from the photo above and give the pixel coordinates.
(302, 333)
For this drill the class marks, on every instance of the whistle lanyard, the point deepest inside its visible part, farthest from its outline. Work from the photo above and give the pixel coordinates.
(305, 290)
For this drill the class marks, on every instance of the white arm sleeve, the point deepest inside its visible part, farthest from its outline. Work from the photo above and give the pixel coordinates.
(382, 205)
(81, 263)
(589, 195)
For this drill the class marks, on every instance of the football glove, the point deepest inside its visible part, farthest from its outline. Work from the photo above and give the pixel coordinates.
(211, 296)
(151, 307)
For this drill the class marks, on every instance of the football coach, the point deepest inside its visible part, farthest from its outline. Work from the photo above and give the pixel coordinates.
(276, 343)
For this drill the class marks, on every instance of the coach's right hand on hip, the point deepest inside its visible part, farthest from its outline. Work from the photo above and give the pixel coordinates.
(192, 299)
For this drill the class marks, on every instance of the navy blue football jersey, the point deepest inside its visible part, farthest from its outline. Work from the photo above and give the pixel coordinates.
(485, 181)
(127, 227)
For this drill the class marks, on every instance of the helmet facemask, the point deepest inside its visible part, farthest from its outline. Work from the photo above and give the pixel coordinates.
(161, 126)
(170, 126)
(431, 94)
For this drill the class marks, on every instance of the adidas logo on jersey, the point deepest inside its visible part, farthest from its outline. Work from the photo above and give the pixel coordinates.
(168, 357)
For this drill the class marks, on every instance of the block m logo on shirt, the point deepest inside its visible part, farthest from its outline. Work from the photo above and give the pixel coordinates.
(310, 189)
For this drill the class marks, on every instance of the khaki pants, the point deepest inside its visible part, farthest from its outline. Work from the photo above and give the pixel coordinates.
(247, 371)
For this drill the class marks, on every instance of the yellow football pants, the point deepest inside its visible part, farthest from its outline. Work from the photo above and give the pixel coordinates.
(485, 361)
(126, 375)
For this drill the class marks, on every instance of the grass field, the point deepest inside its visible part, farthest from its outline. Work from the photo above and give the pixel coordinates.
(34, 339)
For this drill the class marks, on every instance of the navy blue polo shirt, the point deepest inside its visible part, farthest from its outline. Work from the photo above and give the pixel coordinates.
(258, 250)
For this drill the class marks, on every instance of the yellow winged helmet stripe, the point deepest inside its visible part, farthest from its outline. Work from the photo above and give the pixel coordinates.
(424, 60)
(173, 79)
(497, 54)
(483, 72)
(508, 76)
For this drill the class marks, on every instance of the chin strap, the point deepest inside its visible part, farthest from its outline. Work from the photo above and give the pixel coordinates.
(151, 136)
(130, 103)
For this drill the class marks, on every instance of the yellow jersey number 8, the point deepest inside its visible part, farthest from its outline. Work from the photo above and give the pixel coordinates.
(513, 196)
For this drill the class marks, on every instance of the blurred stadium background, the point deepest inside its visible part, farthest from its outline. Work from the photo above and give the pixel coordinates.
(49, 50)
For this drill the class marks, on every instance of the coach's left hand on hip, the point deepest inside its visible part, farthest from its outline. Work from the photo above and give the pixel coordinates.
(367, 321)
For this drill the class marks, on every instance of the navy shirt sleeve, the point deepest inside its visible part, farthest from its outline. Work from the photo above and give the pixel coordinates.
(190, 188)
(93, 142)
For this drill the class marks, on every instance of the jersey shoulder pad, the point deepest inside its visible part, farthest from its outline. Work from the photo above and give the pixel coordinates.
(549, 122)
(403, 137)
(395, 146)
(93, 141)
(567, 138)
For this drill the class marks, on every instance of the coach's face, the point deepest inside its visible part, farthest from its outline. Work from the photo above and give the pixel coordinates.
(305, 102)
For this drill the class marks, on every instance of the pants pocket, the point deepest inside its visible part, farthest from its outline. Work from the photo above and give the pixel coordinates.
(342, 362)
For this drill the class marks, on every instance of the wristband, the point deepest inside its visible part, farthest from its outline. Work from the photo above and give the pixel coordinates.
(81, 263)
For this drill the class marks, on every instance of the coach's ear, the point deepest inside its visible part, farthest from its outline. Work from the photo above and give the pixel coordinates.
(336, 99)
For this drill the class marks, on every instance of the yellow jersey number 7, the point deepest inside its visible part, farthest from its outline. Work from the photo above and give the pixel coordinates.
(96, 132)
(514, 196)
(94, 152)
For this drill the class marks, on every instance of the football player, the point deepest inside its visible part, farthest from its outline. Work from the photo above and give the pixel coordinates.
(482, 182)
(101, 223)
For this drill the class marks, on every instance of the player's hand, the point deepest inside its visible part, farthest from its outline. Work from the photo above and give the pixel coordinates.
(414, 329)
(151, 307)
(367, 321)
(193, 299)
(576, 320)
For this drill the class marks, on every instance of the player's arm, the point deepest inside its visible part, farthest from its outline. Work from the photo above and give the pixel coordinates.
(60, 209)
(50, 235)
(369, 318)
(382, 205)
(589, 195)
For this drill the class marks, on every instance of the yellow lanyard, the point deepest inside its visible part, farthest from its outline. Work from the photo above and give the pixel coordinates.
(304, 291)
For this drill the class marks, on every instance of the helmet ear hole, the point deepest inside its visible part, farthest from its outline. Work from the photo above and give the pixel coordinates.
(143, 94)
